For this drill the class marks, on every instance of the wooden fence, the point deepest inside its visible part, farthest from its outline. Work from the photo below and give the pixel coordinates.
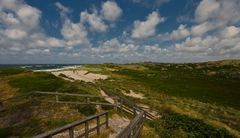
(70, 127)
(87, 98)
(121, 103)
(134, 128)
(129, 106)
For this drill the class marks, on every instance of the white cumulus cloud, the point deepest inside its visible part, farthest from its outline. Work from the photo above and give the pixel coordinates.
(74, 33)
(144, 29)
(111, 11)
(96, 23)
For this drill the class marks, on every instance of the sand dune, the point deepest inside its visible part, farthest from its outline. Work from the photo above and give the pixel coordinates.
(82, 75)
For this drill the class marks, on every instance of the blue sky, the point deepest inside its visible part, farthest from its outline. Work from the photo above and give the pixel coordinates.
(83, 31)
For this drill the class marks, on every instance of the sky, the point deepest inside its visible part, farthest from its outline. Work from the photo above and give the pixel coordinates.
(118, 31)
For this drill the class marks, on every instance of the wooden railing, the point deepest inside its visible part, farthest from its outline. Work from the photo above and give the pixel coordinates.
(70, 127)
(122, 103)
(129, 106)
(134, 128)
(87, 98)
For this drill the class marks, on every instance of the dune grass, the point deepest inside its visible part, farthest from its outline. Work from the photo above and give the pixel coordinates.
(11, 71)
(205, 92)
(190, 83)
(177, 125)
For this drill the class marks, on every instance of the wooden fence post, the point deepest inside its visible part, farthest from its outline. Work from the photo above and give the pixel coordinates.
(116, 103)
(121, 104)
(1, 106)
(71, 132)
(106, 120)
(88, 100)
(134, 111)
(98, 125)
(56, 98)
(86, 129)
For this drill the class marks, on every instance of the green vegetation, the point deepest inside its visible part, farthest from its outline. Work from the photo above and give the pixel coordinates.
(87, 110)
(5, 132)
(193, 100)
(37, 81)
(186, 127)
(36, 116)
(207, 92)
(7, 72)
(190, 82)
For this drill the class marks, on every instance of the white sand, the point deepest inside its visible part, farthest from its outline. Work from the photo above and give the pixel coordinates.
(80, 75)
(134, 95)
(106, 97)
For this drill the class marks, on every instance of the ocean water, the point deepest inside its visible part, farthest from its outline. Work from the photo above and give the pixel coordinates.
(41, 67)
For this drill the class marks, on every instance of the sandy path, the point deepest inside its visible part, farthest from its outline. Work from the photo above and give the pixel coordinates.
(134, 95)
(106, 97)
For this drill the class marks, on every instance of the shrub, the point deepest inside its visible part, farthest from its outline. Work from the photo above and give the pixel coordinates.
(86, 109)
(5, 132)
(8, 72)
(37, 82)
(173, 123)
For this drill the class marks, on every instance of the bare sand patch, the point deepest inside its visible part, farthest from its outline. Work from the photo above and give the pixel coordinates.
(82, 75)
(149, 110)
(106, 97)
(133, 94)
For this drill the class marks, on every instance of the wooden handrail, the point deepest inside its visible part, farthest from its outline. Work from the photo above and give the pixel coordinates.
(134, 128)
(132, 105)
(72, 125)
(72, 94)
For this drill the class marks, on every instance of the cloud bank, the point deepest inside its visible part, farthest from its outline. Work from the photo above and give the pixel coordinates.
(214, 34)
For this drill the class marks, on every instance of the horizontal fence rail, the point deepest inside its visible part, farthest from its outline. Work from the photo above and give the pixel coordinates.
(87, 97)
(70, 127)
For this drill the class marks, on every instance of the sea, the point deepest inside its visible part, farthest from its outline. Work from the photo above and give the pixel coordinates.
(41, 67)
